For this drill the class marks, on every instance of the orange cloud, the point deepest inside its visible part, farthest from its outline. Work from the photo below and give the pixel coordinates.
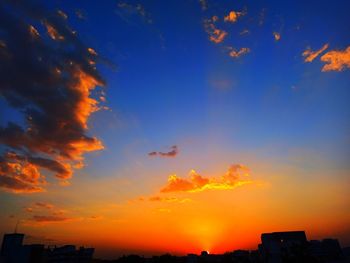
(22, 173)
(172, 153)
(44, 212)
(311, 55)
(33, 31)
(236, 54)
(215, 34)
(196, 183)
(54, 136)
(218, 36)
(44, 208)
(336, 60)
(52, 32)
(92, 51)
(233, 16)
(20, 177)
(277, 36)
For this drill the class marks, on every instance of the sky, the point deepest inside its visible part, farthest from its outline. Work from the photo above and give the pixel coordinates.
(174, 126)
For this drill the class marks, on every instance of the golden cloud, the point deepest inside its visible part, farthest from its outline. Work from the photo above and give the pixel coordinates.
(233, 16)
(311, 55)
(197, 183)
(336, 60)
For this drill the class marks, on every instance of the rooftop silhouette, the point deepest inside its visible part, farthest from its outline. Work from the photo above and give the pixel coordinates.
(275, 247)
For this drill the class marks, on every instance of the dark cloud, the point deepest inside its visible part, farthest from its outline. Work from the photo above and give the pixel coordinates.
(203, 4)
(172, 153)
(49, 75)
(168, 199)
(44, 205)
(50, 219)
(20, 178)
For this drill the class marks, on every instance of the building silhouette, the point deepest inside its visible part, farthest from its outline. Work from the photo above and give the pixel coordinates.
(275, 247)
(14, 251)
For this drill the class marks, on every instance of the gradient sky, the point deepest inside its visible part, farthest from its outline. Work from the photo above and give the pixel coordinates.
(174, 126)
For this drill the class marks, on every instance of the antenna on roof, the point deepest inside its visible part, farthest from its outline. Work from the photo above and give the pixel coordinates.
(16, 227)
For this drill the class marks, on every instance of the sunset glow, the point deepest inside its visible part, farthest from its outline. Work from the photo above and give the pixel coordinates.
(156, 127)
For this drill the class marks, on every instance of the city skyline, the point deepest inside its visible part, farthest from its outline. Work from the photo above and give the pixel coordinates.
(196, 125)
(286, 246)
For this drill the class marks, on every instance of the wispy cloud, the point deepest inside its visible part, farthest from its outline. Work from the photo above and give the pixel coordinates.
(169, 199)
(311, 55)
(50, 219)
(172, 153)
(244, 32)
(44, 205)
(80, 14)
(336, 60)
(197, 183)
(129, 9)
(53, 90)
(215, 34)
(44, 212)
(235, 54)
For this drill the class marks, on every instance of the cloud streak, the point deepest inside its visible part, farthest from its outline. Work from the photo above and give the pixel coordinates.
(53, 86)
(50, 218)
(169, 199)
(311, 55)
(128, 9)
(172, 153)
(236, 54)
(197, 183)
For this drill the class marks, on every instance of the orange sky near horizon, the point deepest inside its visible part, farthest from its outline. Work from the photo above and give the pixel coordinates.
(189, 222)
